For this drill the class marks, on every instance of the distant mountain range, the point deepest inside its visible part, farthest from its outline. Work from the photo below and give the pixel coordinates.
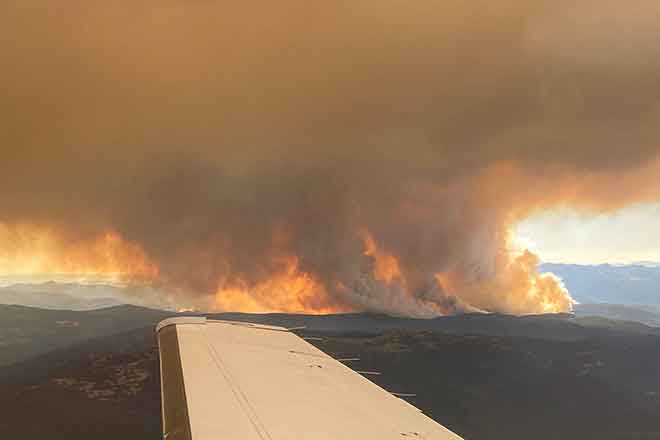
(648, 315)
(635, 284)
(44, 296)
(79, 296)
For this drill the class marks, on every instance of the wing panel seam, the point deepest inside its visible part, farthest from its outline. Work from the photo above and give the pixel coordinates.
(242, 399)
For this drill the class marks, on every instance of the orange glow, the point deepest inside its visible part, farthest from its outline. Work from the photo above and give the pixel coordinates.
(290, 291)
(27, 249)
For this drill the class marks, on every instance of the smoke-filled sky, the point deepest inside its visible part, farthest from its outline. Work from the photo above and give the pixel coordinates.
(369, 155)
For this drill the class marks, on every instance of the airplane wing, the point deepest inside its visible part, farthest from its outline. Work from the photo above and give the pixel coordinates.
(223, 380)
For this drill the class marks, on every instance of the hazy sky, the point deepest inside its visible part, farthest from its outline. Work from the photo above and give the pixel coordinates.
(566, 235)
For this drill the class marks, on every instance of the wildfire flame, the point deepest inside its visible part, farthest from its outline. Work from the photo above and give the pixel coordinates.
(288, 288)
(386, 267)
(291, 291)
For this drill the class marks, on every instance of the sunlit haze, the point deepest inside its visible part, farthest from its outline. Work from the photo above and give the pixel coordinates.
(629, 235)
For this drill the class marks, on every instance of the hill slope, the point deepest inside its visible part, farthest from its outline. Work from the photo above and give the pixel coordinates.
(483, 387)
(26, 332)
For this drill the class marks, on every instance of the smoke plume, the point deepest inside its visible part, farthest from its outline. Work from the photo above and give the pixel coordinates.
(320, 157)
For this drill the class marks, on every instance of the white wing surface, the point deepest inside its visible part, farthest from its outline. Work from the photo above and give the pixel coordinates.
(224, 380)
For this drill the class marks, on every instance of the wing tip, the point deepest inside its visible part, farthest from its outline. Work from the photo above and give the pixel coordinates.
(202, 320)
(180, 320)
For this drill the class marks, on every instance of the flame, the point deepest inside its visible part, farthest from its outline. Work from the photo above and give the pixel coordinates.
(31, 250)
(289, 291)
(386, 267)
(513, 285)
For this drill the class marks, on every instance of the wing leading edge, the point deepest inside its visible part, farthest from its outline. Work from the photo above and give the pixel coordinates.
(223, 380)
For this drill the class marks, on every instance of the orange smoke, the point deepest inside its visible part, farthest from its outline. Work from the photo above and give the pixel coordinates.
(512, 285)
(516, 288)
(28, 249)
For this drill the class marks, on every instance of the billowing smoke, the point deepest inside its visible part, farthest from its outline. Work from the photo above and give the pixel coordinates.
(320, 157)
